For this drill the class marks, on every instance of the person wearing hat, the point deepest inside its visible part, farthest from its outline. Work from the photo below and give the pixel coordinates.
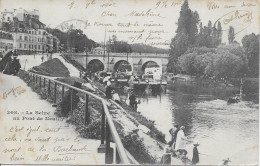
(181, 139)
(195, 157)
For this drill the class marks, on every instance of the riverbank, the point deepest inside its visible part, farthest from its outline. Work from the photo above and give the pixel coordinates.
(135, 137)
(137, 133)
(218, 88)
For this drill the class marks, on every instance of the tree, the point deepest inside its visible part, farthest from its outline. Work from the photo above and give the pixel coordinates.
(231, 35)
(73, 38)
(209, 36)
(144, 48)
(223, 61)
(251, 46)
(219, 29)
(185, 37)
(187, 22)
(118, 46)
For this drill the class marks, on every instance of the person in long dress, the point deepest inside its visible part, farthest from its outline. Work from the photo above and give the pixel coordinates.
(181, 139)
(195, 157)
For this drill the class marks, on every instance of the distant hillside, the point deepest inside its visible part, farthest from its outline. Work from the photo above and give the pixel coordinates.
(143, 48)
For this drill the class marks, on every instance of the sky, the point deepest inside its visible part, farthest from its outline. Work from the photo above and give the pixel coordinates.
(100, 19)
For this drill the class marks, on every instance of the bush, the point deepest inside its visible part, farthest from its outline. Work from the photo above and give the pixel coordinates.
(154, 132)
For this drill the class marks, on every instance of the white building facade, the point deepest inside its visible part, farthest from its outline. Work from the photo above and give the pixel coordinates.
(29, 34)
(6, 42)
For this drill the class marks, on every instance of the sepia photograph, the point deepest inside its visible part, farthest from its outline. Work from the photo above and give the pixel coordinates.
(129, 82)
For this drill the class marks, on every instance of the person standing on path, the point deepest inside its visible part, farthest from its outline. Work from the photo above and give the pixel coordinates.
(109, 92)
(195, 157)
(173, 131)
(181, 139)
(133, 103)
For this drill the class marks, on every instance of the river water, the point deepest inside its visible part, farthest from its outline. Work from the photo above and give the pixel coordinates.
(223, 131)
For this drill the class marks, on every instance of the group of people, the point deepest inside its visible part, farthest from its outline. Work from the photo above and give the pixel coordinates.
(178, 138)
(10, 64)
(112, 94)
(177, 145)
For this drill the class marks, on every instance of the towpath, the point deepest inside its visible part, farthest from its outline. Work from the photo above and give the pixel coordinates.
(32, 134)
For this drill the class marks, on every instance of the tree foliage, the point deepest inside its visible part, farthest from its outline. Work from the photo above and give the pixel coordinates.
(118, 46)
(209, 36)
(251, 46)
(143, 48)
(231, 35)
(185, 34)
(223, 61)
(73, 38)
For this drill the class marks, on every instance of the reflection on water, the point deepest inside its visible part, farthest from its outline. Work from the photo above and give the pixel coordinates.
(221, 130)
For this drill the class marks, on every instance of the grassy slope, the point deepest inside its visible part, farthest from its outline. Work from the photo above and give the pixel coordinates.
(52, 67)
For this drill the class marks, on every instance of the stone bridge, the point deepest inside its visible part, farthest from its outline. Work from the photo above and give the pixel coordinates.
(138, 61)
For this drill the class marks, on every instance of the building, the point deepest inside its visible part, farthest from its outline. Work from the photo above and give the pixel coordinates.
(98, 50)
(20, 14)
(7, 15)
(56, 44)
(6, 42)
(49, 42)
(29, 33)
(30, 41)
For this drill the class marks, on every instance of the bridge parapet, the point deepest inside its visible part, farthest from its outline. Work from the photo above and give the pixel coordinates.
(142, 55)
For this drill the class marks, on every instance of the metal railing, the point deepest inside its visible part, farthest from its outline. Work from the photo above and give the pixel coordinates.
(108, 128)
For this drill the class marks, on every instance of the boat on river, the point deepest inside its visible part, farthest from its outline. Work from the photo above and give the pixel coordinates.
(237, 98)
(233, 100)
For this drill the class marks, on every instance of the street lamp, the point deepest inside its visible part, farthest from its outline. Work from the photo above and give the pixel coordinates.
(86, 49)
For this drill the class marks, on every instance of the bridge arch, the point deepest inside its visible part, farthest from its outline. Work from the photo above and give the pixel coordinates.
(149, 64)
(95, 65)
(122, 65)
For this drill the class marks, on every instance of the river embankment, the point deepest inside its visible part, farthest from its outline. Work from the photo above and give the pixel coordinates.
(221, 88)
(138, 134)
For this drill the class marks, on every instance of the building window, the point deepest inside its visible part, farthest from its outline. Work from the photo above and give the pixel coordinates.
(25, 38)
(39, 47)
(20, 46)
(21, 38)
(35, 47)
(24, 45)
(39, 32)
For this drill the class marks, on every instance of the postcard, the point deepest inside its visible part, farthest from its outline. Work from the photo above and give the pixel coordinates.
(95, 82)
